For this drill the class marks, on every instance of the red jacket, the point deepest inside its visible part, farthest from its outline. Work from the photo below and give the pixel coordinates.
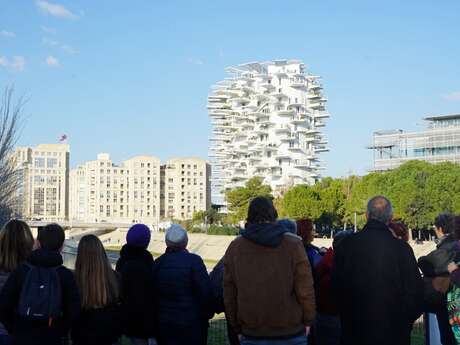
(324, 299)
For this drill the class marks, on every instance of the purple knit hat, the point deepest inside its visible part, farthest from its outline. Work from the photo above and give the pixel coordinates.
(138, 236)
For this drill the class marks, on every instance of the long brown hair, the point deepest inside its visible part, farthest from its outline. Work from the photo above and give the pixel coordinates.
(16, 242)
(305, 230)
(97, 282)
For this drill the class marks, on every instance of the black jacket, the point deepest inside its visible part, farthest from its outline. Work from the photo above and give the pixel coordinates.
(217, 278)
(377, 286)
(101, 326)
(435, 263)
(37, 332)
(137, 291)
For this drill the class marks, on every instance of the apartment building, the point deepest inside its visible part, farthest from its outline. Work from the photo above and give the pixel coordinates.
(186, 187)
(440, 142)
(104, 192)
(44, 186)
(267, 120)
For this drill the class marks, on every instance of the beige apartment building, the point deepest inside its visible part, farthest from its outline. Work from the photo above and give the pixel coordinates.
(44, 188)
(104, 192)
(186, 187)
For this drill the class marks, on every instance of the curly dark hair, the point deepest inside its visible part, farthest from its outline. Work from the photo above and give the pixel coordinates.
(261, 210)
(445, 222)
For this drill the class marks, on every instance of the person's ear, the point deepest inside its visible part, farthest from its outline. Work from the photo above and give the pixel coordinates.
(60, 249)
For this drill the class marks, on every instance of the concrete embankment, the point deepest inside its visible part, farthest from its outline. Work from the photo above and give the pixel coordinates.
(213, 247)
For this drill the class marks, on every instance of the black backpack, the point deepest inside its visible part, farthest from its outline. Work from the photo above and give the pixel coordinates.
(41, 294)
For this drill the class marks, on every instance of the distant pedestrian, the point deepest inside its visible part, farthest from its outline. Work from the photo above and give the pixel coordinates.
(184, 296)
(376, 282)
(137, 293)
(268, 286)
(100, 318)
(16, 243)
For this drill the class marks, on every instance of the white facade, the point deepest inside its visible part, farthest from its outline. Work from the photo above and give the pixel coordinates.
(187, 187)
(267, 120)
(44, 187)
(104, 192)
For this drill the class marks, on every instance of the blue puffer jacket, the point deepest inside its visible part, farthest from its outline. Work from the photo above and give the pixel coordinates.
(183, 289)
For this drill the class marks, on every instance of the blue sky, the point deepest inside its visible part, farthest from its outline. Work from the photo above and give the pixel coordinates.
(132, 77)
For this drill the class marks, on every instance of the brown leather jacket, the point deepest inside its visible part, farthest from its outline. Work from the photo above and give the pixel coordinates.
(268, 291)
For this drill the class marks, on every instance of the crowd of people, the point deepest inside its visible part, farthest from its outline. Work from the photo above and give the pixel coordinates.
(273, 284)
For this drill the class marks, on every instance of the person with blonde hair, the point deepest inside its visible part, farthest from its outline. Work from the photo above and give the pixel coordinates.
(16, 242)
(98, 284)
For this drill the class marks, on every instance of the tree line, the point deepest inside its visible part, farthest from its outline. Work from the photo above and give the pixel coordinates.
(418, 190)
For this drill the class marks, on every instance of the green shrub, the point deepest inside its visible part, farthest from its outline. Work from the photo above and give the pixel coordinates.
(225, 230)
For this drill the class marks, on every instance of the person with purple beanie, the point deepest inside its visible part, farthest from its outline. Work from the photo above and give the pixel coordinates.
(135, 267)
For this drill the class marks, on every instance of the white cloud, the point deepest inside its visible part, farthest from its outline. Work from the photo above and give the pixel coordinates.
(48, 30)
(68, 49)
(55, 10)
(48, 42)
(65, 47)
(195, 61)
(5, 33)
(3, 61)
(18, 64)
(52, 61)
(453, 96)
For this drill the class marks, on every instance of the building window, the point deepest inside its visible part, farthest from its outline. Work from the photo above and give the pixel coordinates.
(39, 162)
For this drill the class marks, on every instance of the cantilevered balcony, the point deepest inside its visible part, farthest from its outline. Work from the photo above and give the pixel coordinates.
(286, 112)
(283, 128)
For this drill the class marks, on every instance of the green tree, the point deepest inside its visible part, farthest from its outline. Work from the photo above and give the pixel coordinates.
(302, 201)
(239, 198)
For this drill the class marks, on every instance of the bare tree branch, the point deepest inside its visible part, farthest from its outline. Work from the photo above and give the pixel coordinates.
(10, 116)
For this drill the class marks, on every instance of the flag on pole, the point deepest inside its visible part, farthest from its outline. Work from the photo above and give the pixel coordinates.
(63, 138)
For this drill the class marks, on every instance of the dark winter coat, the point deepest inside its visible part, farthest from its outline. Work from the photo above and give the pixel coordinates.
(3, 279)
(435, 263)
(26, 332)
(217, 282)
(135, 267)
(377, 286)
(101, 326)
(184, 298)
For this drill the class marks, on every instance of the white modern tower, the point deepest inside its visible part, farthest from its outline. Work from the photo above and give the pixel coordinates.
(266, 122)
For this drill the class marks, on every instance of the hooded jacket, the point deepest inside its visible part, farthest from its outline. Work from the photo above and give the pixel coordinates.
(435, 263)
(268, 286)
(38, 332)
(137, 293)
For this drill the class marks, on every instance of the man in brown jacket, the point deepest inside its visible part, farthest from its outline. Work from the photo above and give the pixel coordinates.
(268, 285)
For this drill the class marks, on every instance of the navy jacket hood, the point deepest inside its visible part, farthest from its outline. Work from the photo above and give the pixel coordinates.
(45, 258)
(265, 234)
